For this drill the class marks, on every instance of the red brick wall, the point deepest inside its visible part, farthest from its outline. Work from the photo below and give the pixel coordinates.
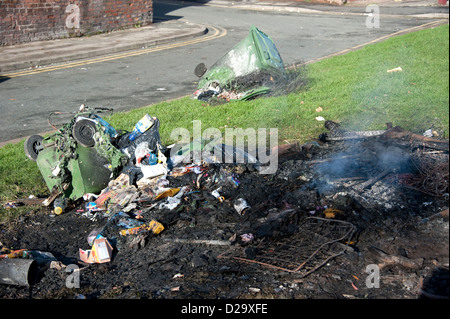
(33, 20)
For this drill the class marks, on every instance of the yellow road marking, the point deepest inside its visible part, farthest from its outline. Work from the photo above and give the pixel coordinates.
(218, 33)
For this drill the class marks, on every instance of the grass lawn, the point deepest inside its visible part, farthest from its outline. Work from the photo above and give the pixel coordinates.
(354, 89)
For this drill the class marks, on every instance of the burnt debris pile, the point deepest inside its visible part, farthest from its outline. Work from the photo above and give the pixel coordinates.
(334, 215)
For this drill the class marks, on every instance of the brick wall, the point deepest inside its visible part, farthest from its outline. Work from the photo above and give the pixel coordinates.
(33, 20)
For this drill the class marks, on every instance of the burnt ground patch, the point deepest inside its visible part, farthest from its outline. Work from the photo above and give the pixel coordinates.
(316, 229)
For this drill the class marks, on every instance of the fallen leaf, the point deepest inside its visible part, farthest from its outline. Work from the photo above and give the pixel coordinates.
(319, 109)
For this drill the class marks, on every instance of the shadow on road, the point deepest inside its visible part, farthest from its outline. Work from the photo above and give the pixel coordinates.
(4, 78)
(161, 9)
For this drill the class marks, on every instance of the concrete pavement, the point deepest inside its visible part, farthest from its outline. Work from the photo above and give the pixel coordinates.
(418, 8)
(39, 53)
(36, 54)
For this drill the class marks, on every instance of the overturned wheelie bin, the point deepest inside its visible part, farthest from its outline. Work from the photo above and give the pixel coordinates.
(250, 66)
(78, 159)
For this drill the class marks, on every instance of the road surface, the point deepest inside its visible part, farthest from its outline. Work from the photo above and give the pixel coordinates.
(137, 81)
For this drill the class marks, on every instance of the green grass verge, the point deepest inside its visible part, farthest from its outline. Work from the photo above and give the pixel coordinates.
(354, 89)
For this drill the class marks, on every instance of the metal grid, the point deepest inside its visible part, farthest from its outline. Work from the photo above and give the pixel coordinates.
(317, 241)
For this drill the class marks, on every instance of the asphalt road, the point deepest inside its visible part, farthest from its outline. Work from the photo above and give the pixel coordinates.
(133, 82)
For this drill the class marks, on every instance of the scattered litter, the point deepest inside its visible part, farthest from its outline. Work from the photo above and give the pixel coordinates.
(173, 201)
(428, 133)
(143, 125)
(21, 267)
(56, 264)
(254, 290)
(246, 238)
(295, 222)
(10, 205)
(20, 253)
(398, 69)
(18, 272)
(168, 193)
(101, 252)
(153, 226)
(320, 118)
(124, 221)
(241, 205)
(92, 207)
(332, 212)
(90, 196)
(217, 195)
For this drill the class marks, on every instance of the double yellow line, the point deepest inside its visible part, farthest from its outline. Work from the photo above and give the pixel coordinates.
(217, 32)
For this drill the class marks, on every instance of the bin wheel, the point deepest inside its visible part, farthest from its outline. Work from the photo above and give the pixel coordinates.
(200, 70)
(83, 132)
(33, 145)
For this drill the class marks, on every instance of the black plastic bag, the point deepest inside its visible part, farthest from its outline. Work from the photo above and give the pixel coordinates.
(151, 136)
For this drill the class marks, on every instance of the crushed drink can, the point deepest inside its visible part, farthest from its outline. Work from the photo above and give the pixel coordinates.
(240, 205)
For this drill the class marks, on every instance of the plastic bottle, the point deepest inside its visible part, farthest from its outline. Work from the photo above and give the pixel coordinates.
(59, 205)
(143, 125)
(152, 159)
